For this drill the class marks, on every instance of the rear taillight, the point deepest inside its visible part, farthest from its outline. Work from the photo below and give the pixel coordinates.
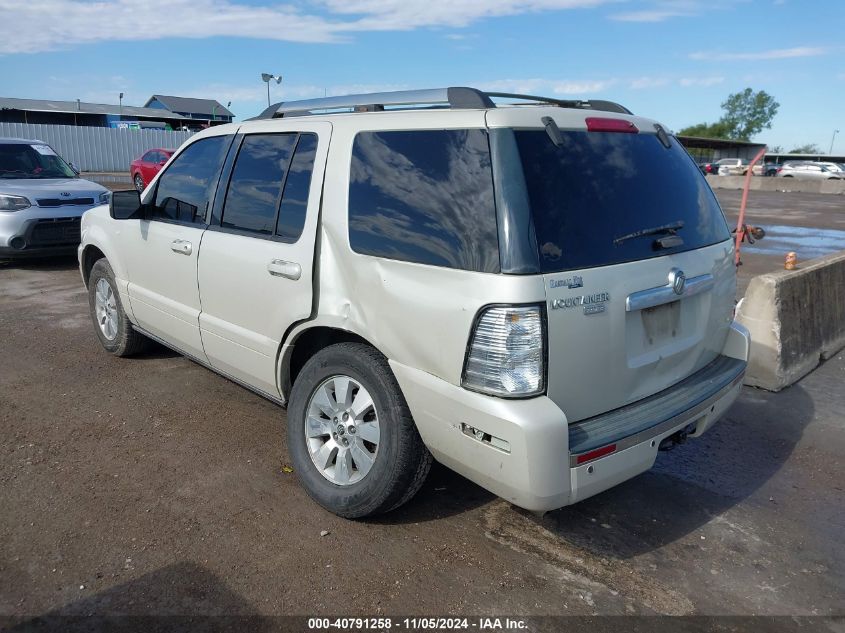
(606, 124)
(506, 354)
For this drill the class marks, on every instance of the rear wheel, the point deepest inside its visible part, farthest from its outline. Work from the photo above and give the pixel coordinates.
(139, 183)
(351, 437)
(110, 321)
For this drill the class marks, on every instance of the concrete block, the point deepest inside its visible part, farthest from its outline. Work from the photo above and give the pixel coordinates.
(796, 318)
(759, 183)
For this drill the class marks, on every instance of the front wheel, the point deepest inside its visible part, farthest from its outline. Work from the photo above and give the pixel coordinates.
(111, 324)
(139, 183)
(351, 437)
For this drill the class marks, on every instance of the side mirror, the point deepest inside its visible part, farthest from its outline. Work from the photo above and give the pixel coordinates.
(126, 205)
(162, 163)
(73, 167)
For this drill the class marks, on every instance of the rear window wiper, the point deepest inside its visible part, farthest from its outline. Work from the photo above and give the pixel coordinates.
(671, 229)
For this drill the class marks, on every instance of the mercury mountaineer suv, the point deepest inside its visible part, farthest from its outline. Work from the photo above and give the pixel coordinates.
(537, 293)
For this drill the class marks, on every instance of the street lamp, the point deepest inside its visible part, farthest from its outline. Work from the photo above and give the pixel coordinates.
(120, 99)
(267, 78)
(835, 132)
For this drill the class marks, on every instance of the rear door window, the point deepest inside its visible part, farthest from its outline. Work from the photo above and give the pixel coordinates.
(590, 195)
(268, 190)
(257, 182)
(424, 196)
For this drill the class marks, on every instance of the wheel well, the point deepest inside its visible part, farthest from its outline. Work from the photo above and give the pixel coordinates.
(89, 258)
(309, 343)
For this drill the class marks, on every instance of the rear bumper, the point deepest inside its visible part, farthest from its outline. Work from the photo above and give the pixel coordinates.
(530, 460)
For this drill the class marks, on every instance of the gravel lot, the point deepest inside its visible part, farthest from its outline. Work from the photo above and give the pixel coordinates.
(153, 486)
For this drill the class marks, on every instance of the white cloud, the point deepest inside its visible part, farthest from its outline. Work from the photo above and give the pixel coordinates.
(703, 82)
(52, 24)
(641, 83)
(582, 87)
(661, 11)
(778, 53)
(577, 87)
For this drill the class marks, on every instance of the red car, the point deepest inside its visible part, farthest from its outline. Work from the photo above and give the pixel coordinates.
(144, 169)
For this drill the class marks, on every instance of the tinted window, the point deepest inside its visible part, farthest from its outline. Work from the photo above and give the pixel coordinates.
(424, 196)
(186, 187)
(19, 160)
(599, 187)
(295, 198)
(257, 181)
(150, 157)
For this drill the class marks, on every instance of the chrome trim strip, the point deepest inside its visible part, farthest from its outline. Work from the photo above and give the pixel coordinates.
(255, 390)
(665, 294)
(672, 424)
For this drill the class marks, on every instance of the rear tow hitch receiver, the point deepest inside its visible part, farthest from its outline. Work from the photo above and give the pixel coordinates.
(678, 437)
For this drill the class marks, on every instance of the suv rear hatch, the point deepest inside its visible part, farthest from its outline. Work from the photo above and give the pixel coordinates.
(635, 253)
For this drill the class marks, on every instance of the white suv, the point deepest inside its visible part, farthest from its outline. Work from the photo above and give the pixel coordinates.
(539, 296)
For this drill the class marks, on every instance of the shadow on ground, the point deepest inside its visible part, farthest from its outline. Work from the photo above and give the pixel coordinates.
(692, 484)
(180, 597)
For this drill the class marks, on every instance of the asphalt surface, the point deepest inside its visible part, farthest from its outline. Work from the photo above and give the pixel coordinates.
(152, 486)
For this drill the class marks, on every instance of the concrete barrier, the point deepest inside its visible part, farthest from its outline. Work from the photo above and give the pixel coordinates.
(796, 318)
(759, 183)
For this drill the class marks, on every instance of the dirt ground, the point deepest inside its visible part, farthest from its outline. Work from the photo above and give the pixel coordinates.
(151, 486)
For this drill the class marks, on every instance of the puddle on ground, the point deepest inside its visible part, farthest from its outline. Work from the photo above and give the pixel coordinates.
(808, 243)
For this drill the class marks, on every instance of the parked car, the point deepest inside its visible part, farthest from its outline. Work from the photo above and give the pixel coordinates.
(806, 170)
(145, 168)
(732, 166)
(765, 169)
(368, 270)
(41, 200)
(834, 167)
(708, 168)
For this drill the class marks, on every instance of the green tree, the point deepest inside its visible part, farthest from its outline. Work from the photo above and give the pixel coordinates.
(746, 113)
(707, 130)
(809, 148)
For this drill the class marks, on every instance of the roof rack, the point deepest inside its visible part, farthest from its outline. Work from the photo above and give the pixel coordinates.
(581, 104)
(454, 98)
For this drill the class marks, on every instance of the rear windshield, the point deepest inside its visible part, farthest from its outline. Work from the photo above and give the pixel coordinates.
(598, 187)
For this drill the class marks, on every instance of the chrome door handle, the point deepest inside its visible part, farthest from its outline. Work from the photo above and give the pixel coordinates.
(281, 268)
(183, 247)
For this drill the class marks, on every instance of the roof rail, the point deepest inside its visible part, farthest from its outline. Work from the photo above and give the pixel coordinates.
(589, 104)
(450, 97)
(454, 97)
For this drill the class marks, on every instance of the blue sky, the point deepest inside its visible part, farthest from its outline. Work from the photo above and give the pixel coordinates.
(673, 60)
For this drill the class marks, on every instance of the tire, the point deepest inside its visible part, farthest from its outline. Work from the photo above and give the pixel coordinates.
(400, 461)
(118, 338)
(139, 182)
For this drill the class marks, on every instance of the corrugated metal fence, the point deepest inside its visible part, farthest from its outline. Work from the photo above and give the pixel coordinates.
(96, 148)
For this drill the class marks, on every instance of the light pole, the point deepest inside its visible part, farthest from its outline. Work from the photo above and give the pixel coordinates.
(267, 78)
(835, 132)
(120, 100)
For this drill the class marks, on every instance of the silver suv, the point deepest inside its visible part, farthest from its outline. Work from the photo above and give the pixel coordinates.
(539, 296)
(41, 200)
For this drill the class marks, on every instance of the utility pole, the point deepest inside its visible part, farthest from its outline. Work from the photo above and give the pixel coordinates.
(835, 132)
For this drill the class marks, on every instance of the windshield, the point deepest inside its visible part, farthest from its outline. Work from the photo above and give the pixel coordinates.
(20, 160)
(604, 198)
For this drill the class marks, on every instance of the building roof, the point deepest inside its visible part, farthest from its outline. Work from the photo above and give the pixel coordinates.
(194, 106)
(81, 107)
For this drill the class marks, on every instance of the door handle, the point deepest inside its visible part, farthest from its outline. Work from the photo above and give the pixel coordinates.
(281, 268)
(183, 247)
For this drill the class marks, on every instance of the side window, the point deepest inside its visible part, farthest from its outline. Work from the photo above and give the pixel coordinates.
(424, 196)
(185, 189)
(257, 182)
(297, 186)
(149, 157)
